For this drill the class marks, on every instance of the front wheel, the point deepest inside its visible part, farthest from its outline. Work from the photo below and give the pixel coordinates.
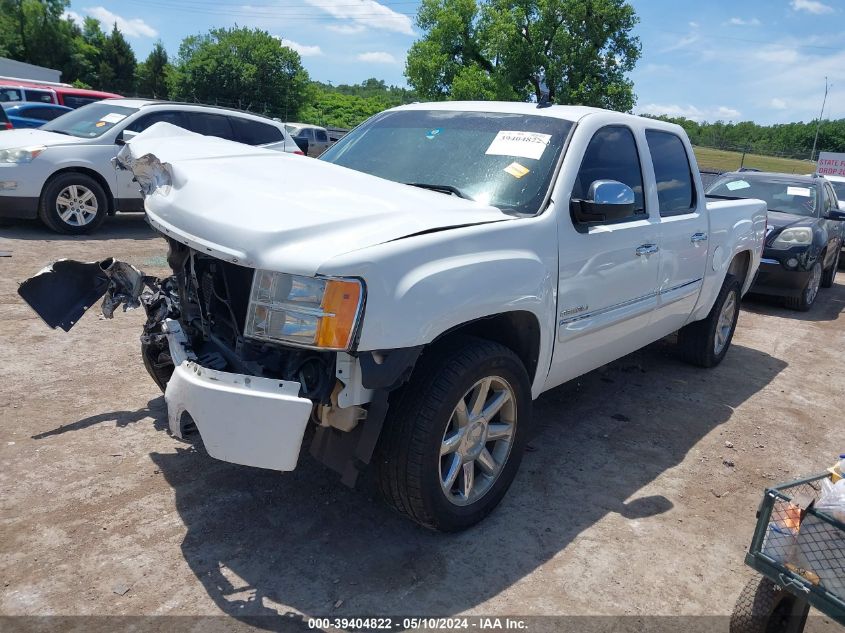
(829, 275)
(807, 298)
(73, 203)
(451, 450)
(763, 607)
(705, 343)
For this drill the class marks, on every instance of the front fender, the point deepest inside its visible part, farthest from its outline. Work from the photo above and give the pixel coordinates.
(422, 286)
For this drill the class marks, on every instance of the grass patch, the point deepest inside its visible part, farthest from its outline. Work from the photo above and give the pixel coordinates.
(723, 160)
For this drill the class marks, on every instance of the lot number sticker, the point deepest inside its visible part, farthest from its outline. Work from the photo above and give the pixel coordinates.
(804, 192)
(113, 117)
(737, 184)
(520, 144)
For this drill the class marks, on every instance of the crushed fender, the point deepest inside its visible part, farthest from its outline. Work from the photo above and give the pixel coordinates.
(62, 292)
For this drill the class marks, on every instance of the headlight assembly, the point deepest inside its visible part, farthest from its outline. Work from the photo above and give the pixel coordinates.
(798, 236)
(306, 311)
(20, 155)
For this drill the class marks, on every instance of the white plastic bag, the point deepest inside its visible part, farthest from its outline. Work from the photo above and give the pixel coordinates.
(832, 499)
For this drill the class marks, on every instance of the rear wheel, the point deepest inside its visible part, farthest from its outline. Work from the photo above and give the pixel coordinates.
(705, 343)
(763, 607)
(829, 275)
(807, 298)
(451, 450)
(73, 203)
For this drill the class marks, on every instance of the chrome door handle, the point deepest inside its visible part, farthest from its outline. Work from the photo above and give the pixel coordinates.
(698, 237)
(647, 249)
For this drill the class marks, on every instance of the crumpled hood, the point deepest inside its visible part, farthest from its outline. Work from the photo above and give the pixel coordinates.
(278, 211)
(27, 137)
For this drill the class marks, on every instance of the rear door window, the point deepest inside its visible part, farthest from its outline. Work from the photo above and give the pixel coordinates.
(39, 96)
(255, 132)
(210, 124)
(42, 114)
(612, 155)
(73, 101)
(321, 136)
(675, 189)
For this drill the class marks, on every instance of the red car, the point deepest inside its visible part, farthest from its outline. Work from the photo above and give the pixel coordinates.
(12, 89)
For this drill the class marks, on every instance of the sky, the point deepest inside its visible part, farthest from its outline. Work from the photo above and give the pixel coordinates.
(759, 60)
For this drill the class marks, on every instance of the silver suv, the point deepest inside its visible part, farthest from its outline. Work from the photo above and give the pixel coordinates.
(62, 172)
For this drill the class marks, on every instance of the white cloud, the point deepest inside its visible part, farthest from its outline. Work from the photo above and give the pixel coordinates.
(303, 49)
(811, 6)
(72, 16)
(377, 57)
(693, 25)
(778, 103)
(366, 13)
(347, 29)
(777, 55)
(742, 22)
(683, 42)
(694, 113)
(131, 27)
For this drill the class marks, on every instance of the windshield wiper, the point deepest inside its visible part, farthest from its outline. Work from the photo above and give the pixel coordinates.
(441, 188)
(60, 132)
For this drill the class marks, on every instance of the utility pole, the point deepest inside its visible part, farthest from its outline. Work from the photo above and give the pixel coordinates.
(819, 123)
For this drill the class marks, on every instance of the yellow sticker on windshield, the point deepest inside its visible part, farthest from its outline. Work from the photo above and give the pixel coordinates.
(100, 124)
(516, 170)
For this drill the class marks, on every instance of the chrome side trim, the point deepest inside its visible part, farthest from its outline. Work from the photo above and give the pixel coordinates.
(615, 306)
(630, 302)
(766, 260)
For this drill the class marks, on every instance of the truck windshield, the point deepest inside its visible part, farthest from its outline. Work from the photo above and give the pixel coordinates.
(90, 121)
(505, 160)
(779, 194)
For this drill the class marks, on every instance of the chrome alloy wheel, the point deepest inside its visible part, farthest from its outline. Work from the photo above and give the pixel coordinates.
(477, 440)
(77, 205)
(812, 288)
(725, 324)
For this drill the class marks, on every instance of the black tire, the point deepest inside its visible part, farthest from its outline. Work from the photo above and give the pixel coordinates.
(49, 214)
(158, 363)
(697, 341)
(829, 276)
(763, 607)
(408, 456)
(807, 298)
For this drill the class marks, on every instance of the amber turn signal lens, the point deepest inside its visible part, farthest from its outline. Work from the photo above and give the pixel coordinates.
(340, 305)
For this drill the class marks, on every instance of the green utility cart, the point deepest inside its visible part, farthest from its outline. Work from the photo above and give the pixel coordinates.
(799, 553)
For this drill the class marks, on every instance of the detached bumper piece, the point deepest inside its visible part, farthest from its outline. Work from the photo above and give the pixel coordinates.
(242, 419)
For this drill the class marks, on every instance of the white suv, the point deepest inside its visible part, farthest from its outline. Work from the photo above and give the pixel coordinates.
(63, 174)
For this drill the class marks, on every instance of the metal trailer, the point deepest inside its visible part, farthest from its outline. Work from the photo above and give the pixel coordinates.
(801, 562)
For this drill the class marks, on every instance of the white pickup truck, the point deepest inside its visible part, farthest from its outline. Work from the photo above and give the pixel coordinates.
(402, 300)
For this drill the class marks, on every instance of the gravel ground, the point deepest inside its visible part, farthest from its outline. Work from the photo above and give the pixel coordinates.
(624, 504)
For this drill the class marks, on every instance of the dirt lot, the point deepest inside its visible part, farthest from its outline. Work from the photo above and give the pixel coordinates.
(623, 504)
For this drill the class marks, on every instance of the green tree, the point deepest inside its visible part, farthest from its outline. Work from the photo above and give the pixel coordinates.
(117, 64)
(579, 51)
(243, 68)
(154, 74)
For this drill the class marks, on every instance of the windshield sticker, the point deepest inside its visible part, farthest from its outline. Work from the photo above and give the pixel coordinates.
(519, 144)
(100, 124)
(516, 170)
(432, 133)
(113, 117)
(798, 191)
(737, 184)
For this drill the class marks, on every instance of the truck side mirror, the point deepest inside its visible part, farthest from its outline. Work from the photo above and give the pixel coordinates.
(606, 201)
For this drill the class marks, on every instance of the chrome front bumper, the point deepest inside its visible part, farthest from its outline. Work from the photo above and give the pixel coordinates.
(242, 419)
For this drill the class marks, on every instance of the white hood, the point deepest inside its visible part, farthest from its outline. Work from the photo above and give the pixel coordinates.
(29, 137)
(278, 211)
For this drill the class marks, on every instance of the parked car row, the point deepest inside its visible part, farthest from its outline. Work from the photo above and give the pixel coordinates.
(804, 235)
(14, 90)
(31, 114)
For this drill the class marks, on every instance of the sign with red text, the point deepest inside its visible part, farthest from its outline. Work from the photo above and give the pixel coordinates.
(830, 164)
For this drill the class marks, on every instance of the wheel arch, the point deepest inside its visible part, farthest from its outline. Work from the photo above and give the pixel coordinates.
(740, 267)
(517, 330)
(92, 173)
